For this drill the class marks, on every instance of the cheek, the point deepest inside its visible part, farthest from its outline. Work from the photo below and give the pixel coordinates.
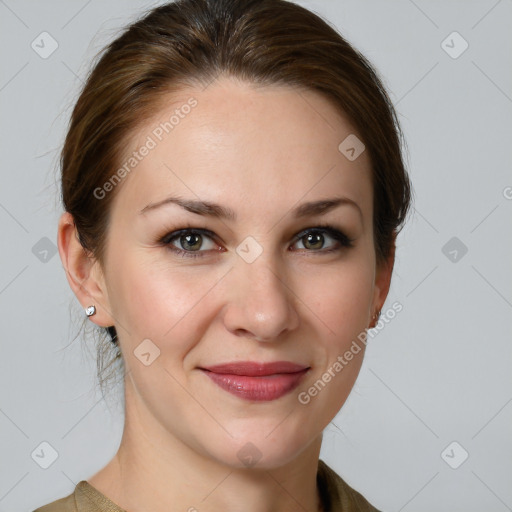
(152, 299)
(340, 297)
(340, 310)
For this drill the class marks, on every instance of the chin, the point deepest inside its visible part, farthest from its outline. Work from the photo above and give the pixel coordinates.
(256, 449)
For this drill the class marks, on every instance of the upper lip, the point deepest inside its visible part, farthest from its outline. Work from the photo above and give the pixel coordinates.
(255, 369)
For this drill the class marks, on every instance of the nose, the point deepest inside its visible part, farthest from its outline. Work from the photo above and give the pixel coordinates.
(261, 305)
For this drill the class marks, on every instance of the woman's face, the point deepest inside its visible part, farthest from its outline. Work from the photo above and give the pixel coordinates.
(258, 171)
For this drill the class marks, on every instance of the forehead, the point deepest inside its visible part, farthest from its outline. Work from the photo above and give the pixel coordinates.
(256, 148)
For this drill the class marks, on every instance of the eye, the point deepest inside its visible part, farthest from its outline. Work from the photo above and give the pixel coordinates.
(190, 242)
(194, 243)
(316, 239)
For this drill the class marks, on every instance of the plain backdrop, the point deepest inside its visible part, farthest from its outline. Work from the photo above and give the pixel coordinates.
(427, 426)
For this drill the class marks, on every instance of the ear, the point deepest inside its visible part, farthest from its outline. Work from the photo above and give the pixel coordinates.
(382, 283)
(83, 272)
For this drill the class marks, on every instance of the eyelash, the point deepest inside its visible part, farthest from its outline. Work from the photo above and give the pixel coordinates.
(344, 241)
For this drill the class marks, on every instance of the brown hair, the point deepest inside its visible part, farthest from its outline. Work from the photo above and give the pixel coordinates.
(191, 42)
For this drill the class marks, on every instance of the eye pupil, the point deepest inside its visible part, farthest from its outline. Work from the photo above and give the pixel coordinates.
(314, 241)
(191, 242)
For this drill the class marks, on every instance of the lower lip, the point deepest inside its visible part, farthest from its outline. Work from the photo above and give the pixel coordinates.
(263, 388)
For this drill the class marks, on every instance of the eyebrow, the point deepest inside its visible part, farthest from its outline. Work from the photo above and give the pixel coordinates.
(210, 209)
(200, 207)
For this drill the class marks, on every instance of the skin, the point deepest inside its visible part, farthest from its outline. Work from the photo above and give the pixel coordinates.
(261, 151)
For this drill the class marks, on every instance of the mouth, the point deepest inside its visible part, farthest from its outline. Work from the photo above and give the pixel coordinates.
(256, 381)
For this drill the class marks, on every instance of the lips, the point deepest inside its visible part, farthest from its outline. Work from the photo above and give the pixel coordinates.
(257, 381)
(254, 369)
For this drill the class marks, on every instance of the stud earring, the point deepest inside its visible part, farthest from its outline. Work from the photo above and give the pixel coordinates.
(90, 310)
(375, 319)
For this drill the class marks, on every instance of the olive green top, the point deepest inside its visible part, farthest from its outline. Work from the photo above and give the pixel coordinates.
(335, 493)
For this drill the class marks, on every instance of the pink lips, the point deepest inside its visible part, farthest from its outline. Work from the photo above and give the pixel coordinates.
(257, 381)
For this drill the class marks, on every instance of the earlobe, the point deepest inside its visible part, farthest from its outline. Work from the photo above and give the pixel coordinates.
(83, 272)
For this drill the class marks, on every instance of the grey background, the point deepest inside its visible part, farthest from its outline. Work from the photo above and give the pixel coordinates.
(438, 372)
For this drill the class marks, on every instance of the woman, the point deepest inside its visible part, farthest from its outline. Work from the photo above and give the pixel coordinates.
(233, 186)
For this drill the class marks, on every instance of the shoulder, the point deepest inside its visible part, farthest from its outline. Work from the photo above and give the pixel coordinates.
(67, 504)
(338, 495)
(85, 498)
